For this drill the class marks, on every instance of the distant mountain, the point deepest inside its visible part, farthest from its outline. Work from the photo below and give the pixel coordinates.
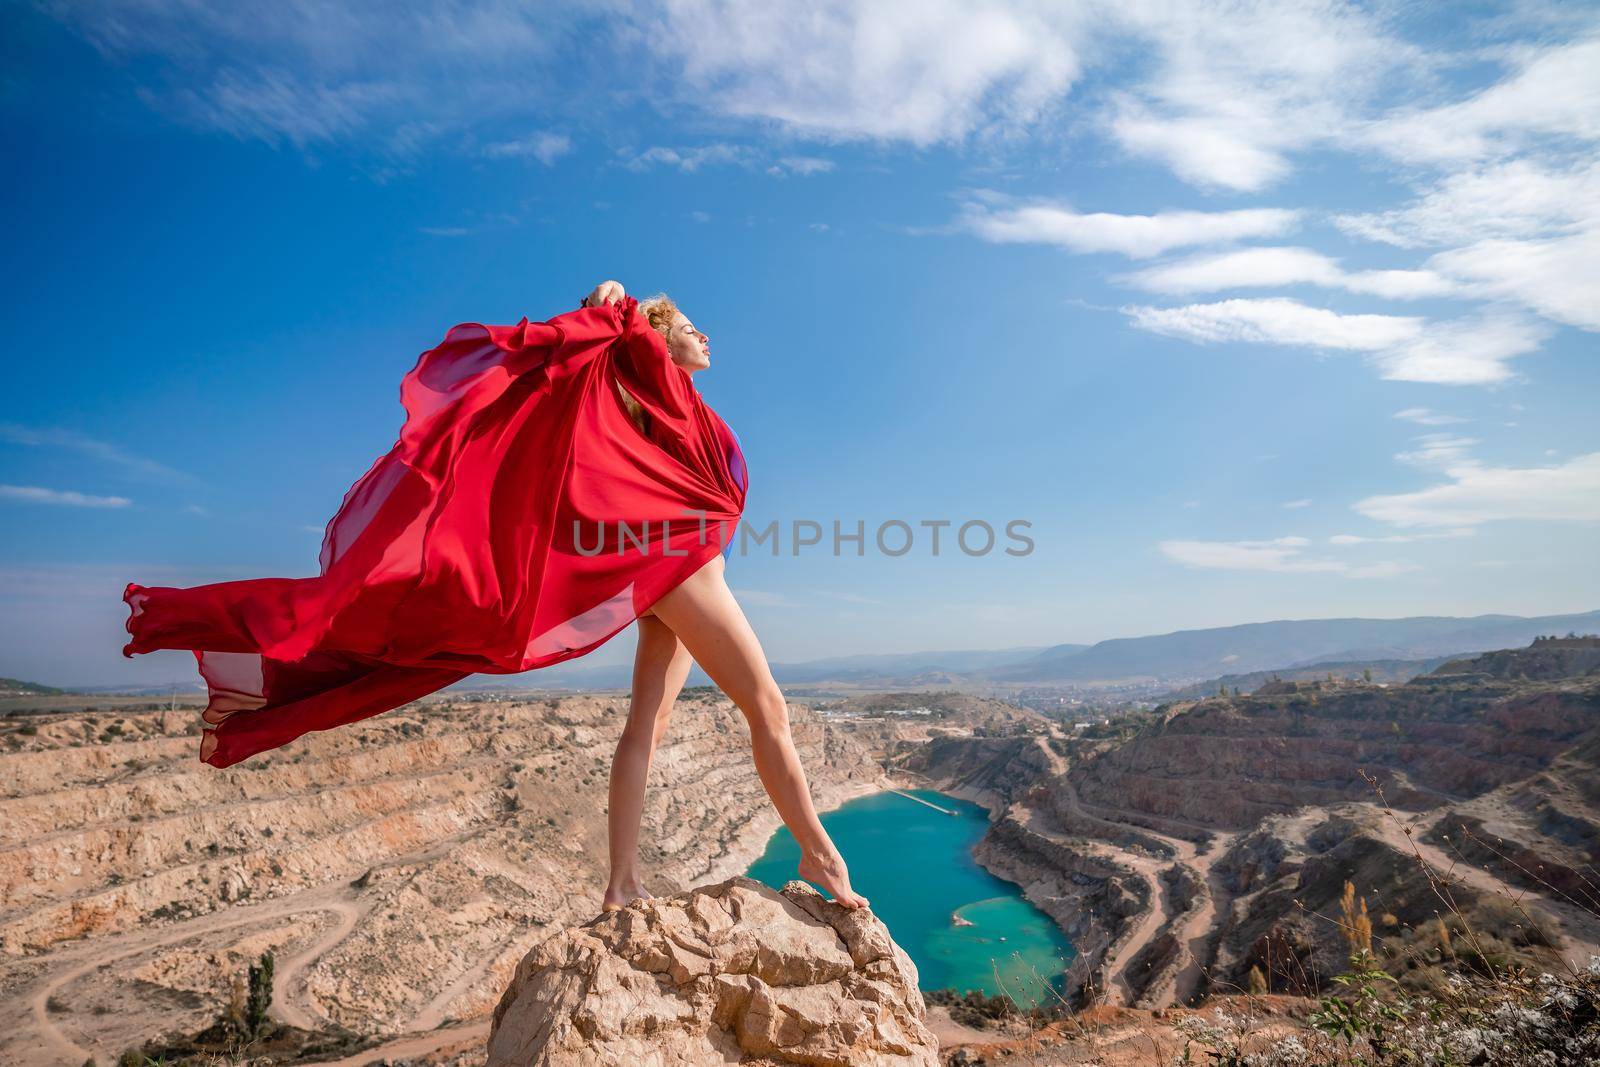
(887, 669)
(1196, 654)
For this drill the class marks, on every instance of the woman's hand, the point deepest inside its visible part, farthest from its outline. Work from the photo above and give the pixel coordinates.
(607, 292)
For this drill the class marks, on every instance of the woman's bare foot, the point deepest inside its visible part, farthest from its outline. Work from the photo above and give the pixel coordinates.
(828, 871)
(623, 894)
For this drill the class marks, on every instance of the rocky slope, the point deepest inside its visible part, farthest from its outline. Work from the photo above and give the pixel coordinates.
(398, 869)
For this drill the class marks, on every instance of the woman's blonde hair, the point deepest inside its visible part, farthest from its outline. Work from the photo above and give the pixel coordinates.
(659, 310)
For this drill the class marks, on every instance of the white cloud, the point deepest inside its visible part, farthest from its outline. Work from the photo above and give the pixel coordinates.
(1524, 230)
(691, 159)
(805, 166)
(1437, 450)
(1427, 417)
(32, 494)
(1463, 351)
(1401, 539)
(1001, 220)
(1511, 199)
(1279, 555)
(1276, 320)
(1404, 348)
(1232, 92)
(1248, 268)
(1292, 504)
(1553, 92)
(1476, 494)
(921, 71)
(1556, 277)
(545, 146)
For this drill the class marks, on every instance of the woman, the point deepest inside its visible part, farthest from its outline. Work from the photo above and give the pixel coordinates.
(520, 520)
(700, 621)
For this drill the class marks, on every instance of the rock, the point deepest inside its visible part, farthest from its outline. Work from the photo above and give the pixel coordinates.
(733, 972)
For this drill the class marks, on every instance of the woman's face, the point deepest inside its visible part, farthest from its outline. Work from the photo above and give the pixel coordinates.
(690, 349)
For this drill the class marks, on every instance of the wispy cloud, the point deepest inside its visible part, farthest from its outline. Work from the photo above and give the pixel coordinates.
(1255, 268)
(1400, 539)
(1230, 97)
(393, 80)
(693, 158)
(1002, 220)
(1296, 504)
(32, 494)
(114, 456)
(690, 159)
(1404, 348)
(1284, 555)
(1522, 230)
(544, 146)
(1437, 450)
(1427, 417)
(1549, 92)
(804, 166)
(1477, 493)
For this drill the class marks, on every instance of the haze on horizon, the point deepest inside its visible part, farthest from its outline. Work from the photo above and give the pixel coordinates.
(1262, 312)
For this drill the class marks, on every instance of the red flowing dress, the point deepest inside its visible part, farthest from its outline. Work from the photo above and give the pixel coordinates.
(521, 519)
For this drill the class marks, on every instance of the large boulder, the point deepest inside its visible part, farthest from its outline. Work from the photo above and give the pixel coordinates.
(734, 972)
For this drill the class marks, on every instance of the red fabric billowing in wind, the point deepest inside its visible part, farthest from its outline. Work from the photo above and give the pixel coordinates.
(521, 519)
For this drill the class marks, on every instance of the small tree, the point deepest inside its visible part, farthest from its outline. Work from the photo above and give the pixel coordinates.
(256, 1020)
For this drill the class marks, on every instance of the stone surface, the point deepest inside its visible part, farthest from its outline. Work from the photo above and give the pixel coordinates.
(733, 972)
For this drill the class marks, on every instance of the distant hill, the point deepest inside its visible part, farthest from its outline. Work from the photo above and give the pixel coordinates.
(12, 687)
(1547, 659)
(1198, 654)
(1383, 671)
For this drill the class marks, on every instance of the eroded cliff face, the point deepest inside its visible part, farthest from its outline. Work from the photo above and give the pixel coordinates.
(1228, 763)
(1217, 838)
(399, 868)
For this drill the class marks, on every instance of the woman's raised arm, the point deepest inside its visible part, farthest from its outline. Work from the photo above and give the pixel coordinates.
(607, 292)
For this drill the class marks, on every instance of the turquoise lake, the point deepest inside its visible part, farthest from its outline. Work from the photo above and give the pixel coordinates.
(915, 866)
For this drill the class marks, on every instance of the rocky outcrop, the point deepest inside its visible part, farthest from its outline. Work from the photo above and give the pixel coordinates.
(728, 973)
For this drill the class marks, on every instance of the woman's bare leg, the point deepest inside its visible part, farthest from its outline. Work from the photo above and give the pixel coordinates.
(660, 667)
(709, 622)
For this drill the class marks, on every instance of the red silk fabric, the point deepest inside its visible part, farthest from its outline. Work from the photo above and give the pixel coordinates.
(521, 519)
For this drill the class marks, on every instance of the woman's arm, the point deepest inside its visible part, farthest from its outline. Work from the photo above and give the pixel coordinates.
(646, 366)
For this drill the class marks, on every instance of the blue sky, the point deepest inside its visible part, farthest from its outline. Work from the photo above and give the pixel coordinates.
(1285, 311)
